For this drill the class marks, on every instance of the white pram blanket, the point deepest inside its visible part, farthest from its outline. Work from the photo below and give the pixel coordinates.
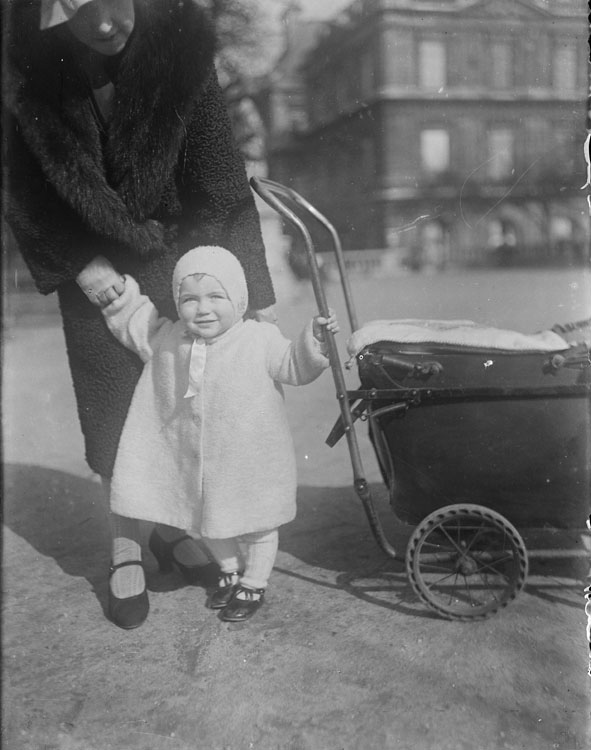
(455, 332)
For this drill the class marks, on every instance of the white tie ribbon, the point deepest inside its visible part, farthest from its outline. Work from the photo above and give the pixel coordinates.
(196, 368)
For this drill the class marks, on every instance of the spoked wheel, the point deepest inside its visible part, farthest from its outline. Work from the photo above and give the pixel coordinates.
(466, 562)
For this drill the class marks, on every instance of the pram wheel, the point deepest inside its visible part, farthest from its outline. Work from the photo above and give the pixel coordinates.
(466, 562)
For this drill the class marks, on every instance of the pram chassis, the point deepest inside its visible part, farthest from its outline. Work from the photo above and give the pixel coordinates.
(464, 561)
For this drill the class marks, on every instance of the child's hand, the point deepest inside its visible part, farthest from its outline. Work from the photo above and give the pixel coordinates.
(319, 324)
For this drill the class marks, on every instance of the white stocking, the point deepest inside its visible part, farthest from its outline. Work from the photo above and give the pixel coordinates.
(226, 553)
(261, 551)
(125, 545)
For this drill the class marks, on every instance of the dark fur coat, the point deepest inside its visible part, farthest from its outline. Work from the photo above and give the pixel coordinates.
(165, 176)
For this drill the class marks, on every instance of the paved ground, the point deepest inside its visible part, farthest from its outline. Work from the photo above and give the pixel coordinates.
(343, 656)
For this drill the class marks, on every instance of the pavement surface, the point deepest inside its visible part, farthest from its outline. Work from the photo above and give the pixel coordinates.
(342, 656)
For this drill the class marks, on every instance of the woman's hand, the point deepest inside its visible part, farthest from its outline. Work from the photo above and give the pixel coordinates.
(320, 324)
(100, 282)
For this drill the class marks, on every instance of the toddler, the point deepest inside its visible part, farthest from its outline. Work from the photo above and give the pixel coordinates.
(206, 445)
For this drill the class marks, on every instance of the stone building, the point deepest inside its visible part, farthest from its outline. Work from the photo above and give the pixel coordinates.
(448, 131)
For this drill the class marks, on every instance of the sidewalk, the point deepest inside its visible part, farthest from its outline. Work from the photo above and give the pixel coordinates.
(342, 657)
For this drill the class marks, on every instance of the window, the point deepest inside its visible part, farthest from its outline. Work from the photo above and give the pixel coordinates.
(561, 229)
(502, 239)
(565, 66)
(495, 233)
(435, 151)
(432, 65)
(435, 244)
(502, 65)
(500, 153)
(566, 147)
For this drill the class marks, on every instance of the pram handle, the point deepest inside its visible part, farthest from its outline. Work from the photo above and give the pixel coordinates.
(269, 191)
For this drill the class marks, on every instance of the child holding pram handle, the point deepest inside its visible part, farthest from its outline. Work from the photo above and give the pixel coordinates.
(206, 445)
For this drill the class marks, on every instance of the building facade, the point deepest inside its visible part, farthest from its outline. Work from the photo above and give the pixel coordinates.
(448, 131)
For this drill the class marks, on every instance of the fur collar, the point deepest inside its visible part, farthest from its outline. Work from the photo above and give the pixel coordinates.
(163, 71)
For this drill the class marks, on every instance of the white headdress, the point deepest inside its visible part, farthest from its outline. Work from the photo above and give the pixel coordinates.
(219, 263)
(54, 12)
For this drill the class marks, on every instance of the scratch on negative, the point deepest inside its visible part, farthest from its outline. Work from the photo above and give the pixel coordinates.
(586, 154)
(479, 166)
(410, 225)
(587, 593)
(586, 148)
(507, 192)
(184, 158)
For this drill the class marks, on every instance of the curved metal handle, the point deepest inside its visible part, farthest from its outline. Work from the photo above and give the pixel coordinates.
(269, 191)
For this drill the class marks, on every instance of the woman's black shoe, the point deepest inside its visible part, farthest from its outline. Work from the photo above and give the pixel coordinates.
(131, 611)
(163, 551)
(239, 610)
(227, 585)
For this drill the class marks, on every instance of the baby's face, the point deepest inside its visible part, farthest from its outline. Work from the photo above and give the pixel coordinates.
(204, 307)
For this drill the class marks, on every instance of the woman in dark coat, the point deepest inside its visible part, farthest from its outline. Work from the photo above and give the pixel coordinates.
(120, 159)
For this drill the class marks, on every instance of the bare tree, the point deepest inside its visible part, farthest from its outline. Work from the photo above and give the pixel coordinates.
(246, 46)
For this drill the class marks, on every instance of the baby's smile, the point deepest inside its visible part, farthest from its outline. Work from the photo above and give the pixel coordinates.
(204, 306)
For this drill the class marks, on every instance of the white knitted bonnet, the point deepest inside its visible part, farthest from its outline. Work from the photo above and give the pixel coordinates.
(219, 263)
(54, 12)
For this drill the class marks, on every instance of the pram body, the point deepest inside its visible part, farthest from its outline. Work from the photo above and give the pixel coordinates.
(510, 430)
(475, 437)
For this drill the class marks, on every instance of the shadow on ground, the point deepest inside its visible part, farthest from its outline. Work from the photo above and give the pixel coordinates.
(62, 516)
(342, 541)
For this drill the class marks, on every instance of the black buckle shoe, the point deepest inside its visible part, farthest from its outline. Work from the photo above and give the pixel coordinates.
(131, 611)
(227, 585)
(239, 610)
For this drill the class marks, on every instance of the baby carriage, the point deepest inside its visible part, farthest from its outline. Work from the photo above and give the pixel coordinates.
(477, 431)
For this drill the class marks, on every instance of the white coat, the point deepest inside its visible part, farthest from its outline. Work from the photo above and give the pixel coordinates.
(219, 463)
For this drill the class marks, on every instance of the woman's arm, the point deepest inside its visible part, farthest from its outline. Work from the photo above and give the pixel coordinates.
(52, 240)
